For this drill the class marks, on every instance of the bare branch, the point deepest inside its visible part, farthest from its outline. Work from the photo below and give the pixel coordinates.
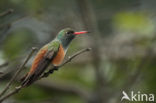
(19, 69)
(6, 12)
(17, 89)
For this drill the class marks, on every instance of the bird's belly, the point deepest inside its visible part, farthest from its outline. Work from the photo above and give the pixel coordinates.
(59, 56)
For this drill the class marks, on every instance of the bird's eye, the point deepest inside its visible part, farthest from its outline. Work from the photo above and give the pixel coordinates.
(70, 32)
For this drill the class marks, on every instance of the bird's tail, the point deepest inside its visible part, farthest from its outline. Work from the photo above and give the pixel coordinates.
(25, 80)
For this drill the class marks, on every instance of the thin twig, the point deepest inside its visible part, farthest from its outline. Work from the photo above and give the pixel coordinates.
(6, 12)
(46, 74)
(19, 69)
(17, 89)
(75, 55)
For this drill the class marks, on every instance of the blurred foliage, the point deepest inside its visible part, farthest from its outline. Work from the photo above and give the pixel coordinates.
(127, 30)
(134, 21)
(19, 41)
(33, 93)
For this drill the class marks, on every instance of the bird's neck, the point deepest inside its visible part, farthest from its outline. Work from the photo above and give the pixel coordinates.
(64, 43)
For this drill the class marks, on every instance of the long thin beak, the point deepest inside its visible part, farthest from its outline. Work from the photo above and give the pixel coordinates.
(81, 32)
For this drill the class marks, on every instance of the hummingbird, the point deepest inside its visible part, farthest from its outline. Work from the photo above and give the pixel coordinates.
(51, 53)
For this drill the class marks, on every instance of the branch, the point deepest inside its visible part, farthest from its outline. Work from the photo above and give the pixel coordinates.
(6, 12)
(18, 71)
(17, 89)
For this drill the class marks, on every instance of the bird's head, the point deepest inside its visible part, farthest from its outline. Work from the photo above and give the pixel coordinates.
(67, 35)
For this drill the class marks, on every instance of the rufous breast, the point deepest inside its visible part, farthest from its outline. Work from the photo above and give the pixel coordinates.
(59, 56)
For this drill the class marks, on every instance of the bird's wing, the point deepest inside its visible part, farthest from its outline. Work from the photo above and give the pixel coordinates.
(42, 64)
(39, 56)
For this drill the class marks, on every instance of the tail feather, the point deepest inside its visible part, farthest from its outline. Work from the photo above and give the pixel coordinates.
(23, 78)
(28, 80)
(41, 67)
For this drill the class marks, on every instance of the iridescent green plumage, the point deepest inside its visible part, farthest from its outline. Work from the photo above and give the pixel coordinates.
(54, 45)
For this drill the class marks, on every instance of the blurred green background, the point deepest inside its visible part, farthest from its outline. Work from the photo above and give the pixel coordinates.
(122, 38)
